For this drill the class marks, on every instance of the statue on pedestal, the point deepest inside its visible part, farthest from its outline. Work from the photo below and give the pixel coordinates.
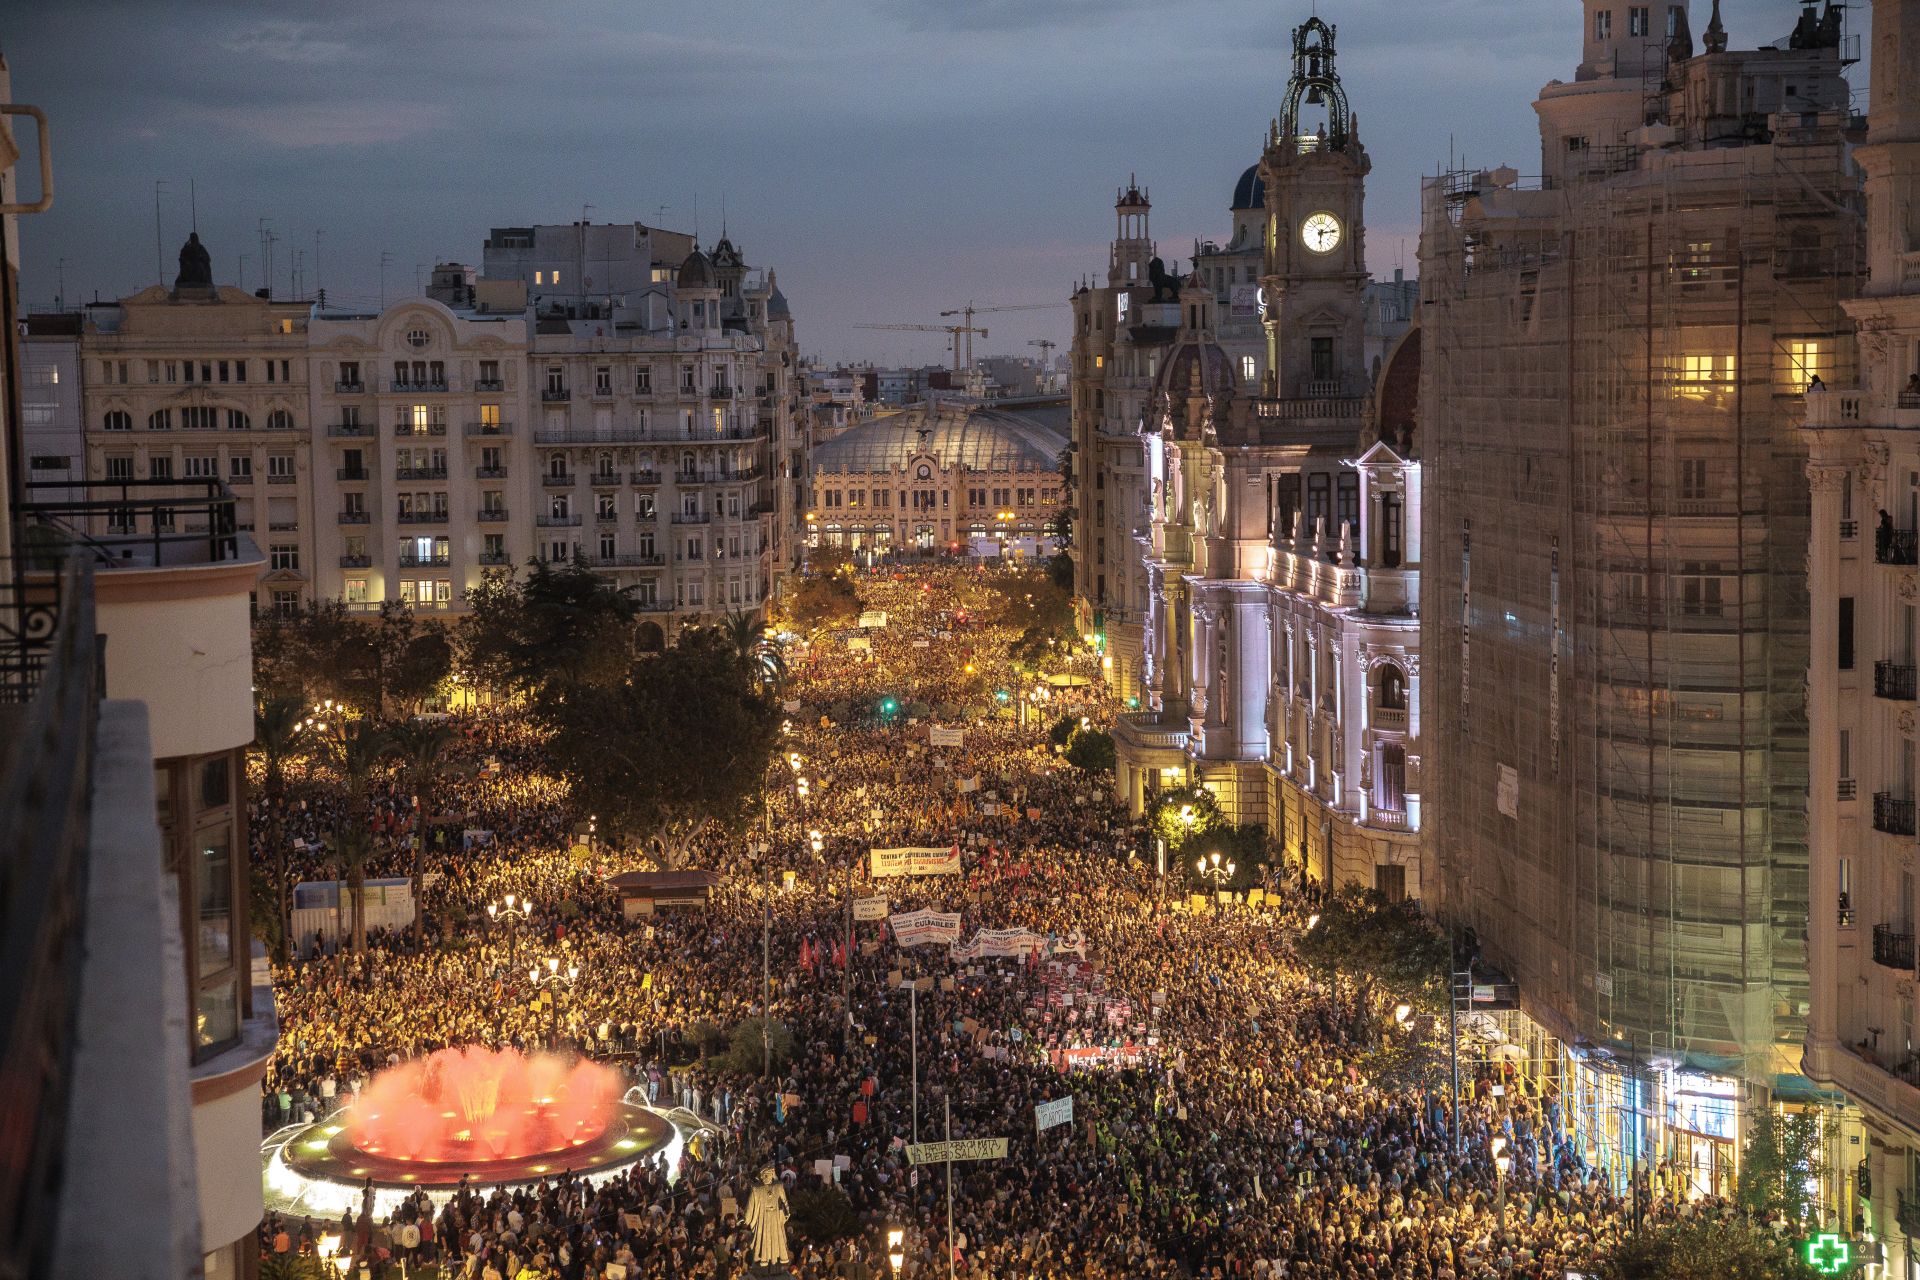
(767, 1218)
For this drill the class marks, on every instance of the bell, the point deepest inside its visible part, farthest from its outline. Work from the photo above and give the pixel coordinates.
(1315, 98)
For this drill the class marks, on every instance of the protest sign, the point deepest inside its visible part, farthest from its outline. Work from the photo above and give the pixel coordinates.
(1048, 1114)
(915, 862)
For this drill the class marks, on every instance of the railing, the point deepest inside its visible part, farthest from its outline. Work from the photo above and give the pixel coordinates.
(626, 561)
(350, 473)
(49, 671)
(349, 388)
(349, 430)
(353, 517)
(1390, 717)
(645, 477)
(557, 522)
(492, 515)
(1892, 815)
(356, 562)
(1909, 400)
(489, 473)
(603, 479)
(414, 560)
(489, 384)
(692, 517)
(122, 523)
(1849, 530)
(421, 473)
(553, 481)
(1896, 546)
(1314, 407)
(1847, 789)
(1891, 948)
(422, 517)
(555, 395)
(1893, 680)
(489, 428)
(409, 387)
(430, 429)
(495, 558)
(602, 391)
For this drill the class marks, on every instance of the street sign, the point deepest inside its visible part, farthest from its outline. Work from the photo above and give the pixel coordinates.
(957, 1149)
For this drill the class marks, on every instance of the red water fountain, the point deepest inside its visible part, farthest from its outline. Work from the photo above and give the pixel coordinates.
(476, 1104)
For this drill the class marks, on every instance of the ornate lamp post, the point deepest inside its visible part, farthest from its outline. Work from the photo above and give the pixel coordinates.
(552, 980)
(511, 912)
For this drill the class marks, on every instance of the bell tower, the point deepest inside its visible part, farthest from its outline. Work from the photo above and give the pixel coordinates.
(1314, 284)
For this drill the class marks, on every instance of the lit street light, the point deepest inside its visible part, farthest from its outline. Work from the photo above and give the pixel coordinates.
(506, 910)
(551, 980)
(896, 1249)
(1501, 1163)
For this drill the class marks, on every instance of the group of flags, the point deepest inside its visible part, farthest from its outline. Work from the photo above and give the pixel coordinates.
(815, 956)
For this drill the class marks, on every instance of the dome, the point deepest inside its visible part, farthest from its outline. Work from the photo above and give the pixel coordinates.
(1250, 192)
(696, 272)
(954, 433)
(1176, 378)
(777, 308)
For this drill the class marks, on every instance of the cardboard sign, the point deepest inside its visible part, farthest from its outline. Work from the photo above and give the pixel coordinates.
(1048, 1114)
(939, 737)
(869, 908)
(957, 1149)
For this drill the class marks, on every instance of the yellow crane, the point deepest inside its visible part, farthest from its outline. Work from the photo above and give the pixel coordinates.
(953, 332)
(969, 311)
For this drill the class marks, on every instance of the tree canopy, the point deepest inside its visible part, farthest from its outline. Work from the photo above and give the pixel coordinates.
(823, 601)
(559, 624)
(387, 664)
(1697, 1247)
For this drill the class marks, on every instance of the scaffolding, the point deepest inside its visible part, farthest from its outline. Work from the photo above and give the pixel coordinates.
(1616, 634)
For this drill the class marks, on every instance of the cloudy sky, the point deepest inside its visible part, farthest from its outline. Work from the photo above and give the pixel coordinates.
(890, 158)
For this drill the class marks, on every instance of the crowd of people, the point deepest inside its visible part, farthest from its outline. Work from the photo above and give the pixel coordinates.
(1227, 1119)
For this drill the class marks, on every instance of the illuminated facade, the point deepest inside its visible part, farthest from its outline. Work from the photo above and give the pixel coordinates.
(1615, 640)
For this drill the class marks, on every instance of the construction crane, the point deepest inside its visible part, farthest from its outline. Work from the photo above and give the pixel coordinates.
(953, 332)
(969, 311)
(1046, 346)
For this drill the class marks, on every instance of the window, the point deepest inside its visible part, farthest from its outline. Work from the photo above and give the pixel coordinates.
(354, 590)
(1700, 590)
(280, 420)
(1319, 500)
(1705, 374)
(1284, 504)
(1392, 531)
(119, 468)
(560, 506)
(1393, 688)
(539, 277)
(237, 420)
(199, 417)
(1321, 352)
(160, 466)
(284, 558)
(349, 373)
(603, 380)
(418, 337)
(643, 380)
(1347, 511)
(603, 507)
(606, 546)
(1804, 359)
(1576, 144)
(280, 465)
(160, 420)
(1390, 778)
(1639, 21)
(202, 466)
(1845, 645)
(1249, 369)
(1603, 24)
(118, 420)
(1693, 479)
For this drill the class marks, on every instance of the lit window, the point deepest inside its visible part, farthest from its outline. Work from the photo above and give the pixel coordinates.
(539, 277)
(1801, 361)
(1248, 369)
(1705, 374)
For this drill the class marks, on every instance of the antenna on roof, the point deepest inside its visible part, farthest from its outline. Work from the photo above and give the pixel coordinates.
(193, 204)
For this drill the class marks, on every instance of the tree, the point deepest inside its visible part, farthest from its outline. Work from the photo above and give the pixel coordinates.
(425, 748)
(1696, 1247)
(1364, 934)
(759, 657)
(745, 1053)
(355, 749)
(1092, 750)
(681, 741)
(563, 624)
(419, 666)
(1783, 1158)
(277, 726)
(823, 1215)
(1183, 813)
(824, 602)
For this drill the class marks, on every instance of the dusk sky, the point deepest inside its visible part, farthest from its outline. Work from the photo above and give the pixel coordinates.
(889, 158)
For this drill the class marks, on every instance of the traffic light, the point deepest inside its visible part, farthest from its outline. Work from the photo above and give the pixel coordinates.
(1001, 695)
(888, 706)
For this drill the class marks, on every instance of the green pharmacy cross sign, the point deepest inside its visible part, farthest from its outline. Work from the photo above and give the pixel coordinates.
(1827, 1253)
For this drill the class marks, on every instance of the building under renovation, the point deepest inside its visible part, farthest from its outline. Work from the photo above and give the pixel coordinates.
(1616, 633)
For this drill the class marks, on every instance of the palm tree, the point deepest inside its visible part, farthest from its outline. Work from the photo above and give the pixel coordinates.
(277, 725)
(355, 748)
(757, 653)
(425, 747)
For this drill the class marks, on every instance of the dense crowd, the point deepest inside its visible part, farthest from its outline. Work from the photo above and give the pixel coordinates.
(1228, 1118)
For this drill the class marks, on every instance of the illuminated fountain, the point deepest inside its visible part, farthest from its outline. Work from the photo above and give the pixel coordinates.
(491, 1117)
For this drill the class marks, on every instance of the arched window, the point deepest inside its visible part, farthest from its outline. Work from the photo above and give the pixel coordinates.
(160, 420)
(605, 464)
(237, 420)
(1393, 688)
(117, 420)
(279, 420)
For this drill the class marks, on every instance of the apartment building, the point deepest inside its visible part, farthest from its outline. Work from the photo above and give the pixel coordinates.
(53, 447)
(205, 382)
(1615, 643)
(1864, 474)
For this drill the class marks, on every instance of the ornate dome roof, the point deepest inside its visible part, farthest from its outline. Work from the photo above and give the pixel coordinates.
(1191, 359)
(1250, 192)
(696, 272)
(954, 433)
(777, 308)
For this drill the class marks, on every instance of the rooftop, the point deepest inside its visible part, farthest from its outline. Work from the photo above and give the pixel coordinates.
(969, 434)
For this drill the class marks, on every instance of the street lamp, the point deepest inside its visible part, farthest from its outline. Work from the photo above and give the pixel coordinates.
(506, 910)
(1211, 868)
(896, 1249)
(818, 843)
(551, 980)
(1402, 1014)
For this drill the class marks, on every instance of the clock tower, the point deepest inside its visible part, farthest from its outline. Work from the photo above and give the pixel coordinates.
(1315, 279)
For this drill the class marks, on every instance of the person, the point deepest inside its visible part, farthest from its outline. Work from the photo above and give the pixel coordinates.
(1816, 386)
(1913, 385)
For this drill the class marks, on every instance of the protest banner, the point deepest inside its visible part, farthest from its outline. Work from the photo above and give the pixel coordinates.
(1048, 1114)
(939, 737)
(957, 1149)
(917, 928)
(915, 862)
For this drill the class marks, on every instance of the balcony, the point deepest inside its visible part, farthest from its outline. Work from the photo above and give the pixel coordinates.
(604, 479)
(354, 388)
(495, 558)
(422, 517)
(416, 561)
(350, 473)
(602, 391)
(421, 430)
(692, 517)
(279, 477)
(1896, 546)
(626, 561)
(421, 473)
(1892, 814)
(1390, 718)
(553, 481)
(557, 522)
(495, 429)
(555, 395)
(1891, 948)
(645, 477)
(1893, 680)
(491, 515)
(349, 430)
(356, 562)
(489, 473)
(489, 384)
(410, 387)
(353, 517)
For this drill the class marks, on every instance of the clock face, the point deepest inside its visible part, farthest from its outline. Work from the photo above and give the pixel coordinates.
(1320, 232)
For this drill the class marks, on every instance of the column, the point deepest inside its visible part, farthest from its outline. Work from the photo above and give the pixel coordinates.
(1823, 726)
